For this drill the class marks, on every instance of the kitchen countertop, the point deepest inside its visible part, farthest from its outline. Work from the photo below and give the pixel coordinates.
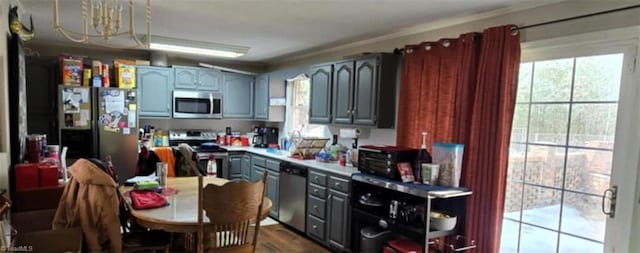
(332, 167)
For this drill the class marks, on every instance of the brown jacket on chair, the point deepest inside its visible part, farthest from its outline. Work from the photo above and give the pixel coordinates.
(90, 201)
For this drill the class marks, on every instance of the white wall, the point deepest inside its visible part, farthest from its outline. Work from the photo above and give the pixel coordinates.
(211, 124)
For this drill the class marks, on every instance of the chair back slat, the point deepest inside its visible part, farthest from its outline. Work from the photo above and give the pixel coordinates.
(233, 210)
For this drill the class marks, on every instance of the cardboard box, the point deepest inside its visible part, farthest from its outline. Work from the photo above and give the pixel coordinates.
(126, 77)
(72, 68)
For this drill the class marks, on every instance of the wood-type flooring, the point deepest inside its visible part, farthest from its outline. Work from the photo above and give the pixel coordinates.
(274, 239)
(277, 238)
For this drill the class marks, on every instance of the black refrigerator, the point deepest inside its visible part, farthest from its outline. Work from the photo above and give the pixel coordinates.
(101, 123)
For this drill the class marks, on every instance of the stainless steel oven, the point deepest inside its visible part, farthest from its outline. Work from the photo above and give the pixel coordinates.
(197, 104)
(203, 142)
(222, 162)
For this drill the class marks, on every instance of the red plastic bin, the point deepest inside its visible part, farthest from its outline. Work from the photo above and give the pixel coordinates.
(27, 176)
(48, 174)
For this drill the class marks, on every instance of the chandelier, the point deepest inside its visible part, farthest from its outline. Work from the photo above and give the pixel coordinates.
(106, 19)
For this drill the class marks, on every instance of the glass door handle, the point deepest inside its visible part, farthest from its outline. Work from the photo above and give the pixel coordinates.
(610, 194)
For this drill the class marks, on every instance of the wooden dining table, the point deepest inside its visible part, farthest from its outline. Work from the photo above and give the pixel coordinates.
(181, 215)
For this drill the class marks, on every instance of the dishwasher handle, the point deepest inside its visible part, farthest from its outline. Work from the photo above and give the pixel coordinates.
(289, 168)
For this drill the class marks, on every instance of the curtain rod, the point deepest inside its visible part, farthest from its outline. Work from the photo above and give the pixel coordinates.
(578, 17)
(400, 50)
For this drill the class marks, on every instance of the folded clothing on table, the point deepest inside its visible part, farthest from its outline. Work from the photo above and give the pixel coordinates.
(141, 199)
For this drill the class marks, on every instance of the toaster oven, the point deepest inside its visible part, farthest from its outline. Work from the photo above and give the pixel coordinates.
(383, 160)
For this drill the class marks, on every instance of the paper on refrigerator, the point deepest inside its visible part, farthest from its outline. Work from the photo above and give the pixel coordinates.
(114, 102)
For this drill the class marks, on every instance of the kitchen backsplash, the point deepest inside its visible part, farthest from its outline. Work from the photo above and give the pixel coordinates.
(243, 126)
(368, 136)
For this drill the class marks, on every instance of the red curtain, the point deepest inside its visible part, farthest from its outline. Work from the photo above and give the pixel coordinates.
(437, 81)
(463, 90)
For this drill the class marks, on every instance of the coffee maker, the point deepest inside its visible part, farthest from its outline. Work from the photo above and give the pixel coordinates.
(265, 136)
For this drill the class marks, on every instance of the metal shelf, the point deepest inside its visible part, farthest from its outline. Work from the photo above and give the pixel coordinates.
(427, 193)
(418, 190)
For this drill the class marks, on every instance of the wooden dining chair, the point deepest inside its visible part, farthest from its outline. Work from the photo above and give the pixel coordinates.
(234, 212)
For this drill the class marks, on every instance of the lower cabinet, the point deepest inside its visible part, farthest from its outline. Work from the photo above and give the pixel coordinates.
(258, 166)
(246, 167)
(328, 210)
(235, 166)
(256, 173)
(273, 192)
(338, 232)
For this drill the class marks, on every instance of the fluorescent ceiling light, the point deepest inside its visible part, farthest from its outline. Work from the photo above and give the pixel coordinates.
(196, 47)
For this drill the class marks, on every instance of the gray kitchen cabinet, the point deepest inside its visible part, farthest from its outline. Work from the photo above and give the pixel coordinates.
(365, 97)
(197, 78)
(337, 231)
(246, 166)
(237, 98)
(155, 85)
(256, 173)
(364, 91)
(272, 193)
(209, 79)
(338, 212)
(374, 92)
(235, 166)
(328, 210)
(321, 86)
(259, 165)
(185, 78)
(261, 99)
(343, 92)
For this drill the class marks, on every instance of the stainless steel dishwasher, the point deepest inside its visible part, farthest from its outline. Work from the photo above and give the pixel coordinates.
(293, 195)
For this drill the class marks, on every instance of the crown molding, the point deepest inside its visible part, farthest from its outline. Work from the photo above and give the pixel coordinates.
(421, 28)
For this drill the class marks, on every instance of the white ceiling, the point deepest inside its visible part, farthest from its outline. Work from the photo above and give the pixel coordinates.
(271, 28)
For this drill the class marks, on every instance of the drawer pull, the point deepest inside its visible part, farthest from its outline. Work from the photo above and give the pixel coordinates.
(315, 178)
(315, 190)
(315, 227)
(315, 207)
(337, 184)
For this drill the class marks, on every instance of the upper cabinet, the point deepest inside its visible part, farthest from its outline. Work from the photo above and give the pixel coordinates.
(363, 91)
(343, 92)
(366, 96)
(155, 85)
(321, 86)
(237, 98)
(261, 99)
(197, 78)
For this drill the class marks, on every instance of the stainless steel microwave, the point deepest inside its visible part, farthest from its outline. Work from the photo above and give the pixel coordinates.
(197, 104)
